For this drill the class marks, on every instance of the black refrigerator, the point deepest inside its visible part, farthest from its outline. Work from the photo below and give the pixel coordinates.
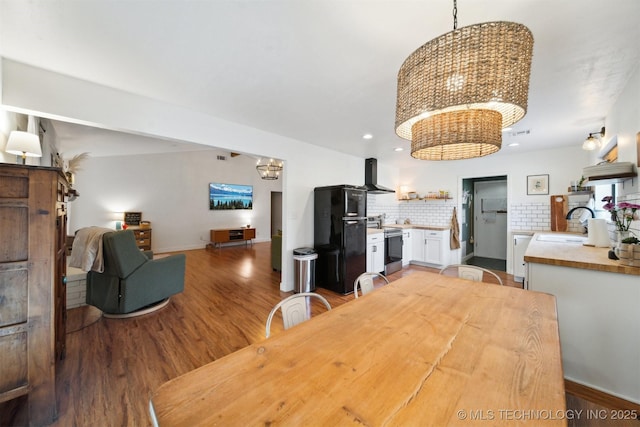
(340, 236)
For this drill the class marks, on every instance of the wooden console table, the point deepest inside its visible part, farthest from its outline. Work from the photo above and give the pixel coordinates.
(227, 235)
(424, 350)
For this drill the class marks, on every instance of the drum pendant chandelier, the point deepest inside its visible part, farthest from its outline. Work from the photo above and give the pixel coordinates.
(457, 92)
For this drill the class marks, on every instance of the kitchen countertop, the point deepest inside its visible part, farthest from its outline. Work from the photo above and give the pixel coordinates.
(574, 255)
(374, 231)
(529, 232)
(418, 226)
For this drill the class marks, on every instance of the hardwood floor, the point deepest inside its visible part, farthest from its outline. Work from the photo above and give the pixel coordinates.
(114, 365)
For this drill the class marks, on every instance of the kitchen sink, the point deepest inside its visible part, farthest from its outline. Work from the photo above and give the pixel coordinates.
(562, 238)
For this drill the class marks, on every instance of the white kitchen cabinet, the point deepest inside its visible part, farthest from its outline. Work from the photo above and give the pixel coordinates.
(375, 252)
(520, 243)
(434, 250)
(407, 247)
(417, 245)
(431, 247)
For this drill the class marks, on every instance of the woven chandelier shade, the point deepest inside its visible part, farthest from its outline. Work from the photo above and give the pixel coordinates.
(457, 135)
(480, 67)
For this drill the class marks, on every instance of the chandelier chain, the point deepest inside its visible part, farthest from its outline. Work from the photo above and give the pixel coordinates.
(455, 15)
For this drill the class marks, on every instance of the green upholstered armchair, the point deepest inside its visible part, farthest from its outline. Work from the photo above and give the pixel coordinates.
(132, 279)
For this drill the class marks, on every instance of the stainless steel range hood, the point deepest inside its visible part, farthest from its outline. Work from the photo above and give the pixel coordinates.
(371, 178)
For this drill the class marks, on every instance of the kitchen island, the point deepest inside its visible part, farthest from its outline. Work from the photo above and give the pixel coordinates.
(598, 311)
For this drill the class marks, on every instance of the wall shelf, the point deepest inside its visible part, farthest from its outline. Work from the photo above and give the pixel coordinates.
(610, 179)
(426, 199)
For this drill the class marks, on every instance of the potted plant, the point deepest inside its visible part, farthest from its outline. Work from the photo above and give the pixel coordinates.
(73, 165)
(622, 215)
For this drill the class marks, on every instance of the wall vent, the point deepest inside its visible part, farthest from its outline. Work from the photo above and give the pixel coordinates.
(222, 157)
(520, 133)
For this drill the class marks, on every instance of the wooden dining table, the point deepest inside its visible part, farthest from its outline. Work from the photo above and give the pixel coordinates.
(424, 350)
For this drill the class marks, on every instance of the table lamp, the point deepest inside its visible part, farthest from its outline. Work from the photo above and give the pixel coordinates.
(23, 144)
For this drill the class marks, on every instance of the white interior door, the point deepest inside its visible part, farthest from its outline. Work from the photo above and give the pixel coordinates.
(490, 219)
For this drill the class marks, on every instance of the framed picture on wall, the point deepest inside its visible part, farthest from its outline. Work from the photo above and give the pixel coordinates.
(537, 184)
(230, 196)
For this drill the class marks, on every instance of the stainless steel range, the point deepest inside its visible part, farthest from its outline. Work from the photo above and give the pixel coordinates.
(392, 250)
(392, 243)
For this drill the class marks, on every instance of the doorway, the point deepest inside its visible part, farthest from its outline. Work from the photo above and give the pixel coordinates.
(485, 228)
(276, 212)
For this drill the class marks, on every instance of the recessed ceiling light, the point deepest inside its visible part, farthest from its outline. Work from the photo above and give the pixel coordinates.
(367, 136)
(398, 149)
(514, 144)
(506, 129)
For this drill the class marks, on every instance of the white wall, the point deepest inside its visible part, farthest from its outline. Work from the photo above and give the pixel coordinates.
(563, 165)
(171, 191)
(7, 124)
(10, 121)
(52, 95)
(623, 122)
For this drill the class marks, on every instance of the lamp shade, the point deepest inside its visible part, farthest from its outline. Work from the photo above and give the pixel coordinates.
(590, 143)
(484, 68)
(457, 135)
(23, 144)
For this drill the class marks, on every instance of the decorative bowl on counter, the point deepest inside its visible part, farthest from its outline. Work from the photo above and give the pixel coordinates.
(628, 252)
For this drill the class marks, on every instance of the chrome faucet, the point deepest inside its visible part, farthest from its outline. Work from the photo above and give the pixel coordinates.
(593, 215)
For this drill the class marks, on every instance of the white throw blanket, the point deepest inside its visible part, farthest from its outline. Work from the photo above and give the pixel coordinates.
(86, 252)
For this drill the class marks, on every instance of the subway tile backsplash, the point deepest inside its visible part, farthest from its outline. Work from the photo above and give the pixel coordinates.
(523, 216)
(430, 212)
(392, 211)
(530, 216)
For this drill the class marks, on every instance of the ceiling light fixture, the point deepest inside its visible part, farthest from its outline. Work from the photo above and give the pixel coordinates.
(456, 92)
(270, 170)
(367, 136)
(23, 144)
(591, 143)
(398, 149)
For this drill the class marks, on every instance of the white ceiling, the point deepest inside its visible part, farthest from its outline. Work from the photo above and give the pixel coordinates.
(322, 71)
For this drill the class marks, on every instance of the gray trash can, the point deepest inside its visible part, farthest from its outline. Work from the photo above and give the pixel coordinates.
(304, 269)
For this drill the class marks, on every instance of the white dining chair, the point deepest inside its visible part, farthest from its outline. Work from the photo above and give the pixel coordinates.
(295, 309)
(472, 272)
(365, 282)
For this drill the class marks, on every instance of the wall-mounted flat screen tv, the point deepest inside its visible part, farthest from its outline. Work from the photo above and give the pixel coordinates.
(230, 196)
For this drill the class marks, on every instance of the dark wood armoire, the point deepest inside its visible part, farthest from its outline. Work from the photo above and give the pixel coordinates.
(33, 223)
